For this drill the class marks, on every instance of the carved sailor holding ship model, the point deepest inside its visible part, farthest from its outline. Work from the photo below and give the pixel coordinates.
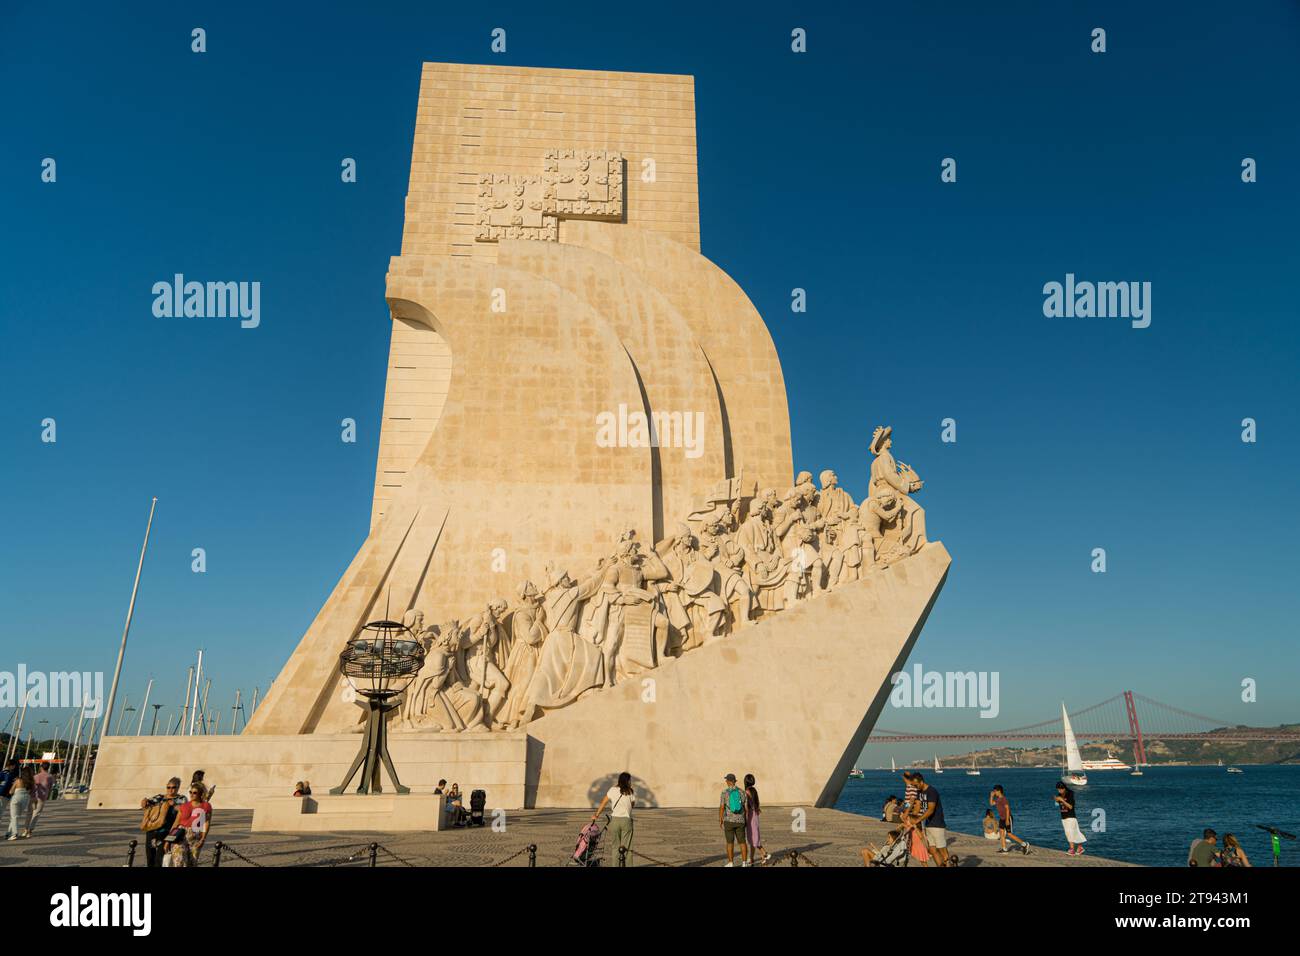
(890, 479)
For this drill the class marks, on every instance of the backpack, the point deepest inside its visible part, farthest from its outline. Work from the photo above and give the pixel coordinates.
(155, 816)
(735, 801)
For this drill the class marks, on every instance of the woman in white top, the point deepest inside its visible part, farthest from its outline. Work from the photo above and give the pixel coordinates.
(620, 801)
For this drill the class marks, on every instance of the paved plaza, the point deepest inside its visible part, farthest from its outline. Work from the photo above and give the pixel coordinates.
(70, 835)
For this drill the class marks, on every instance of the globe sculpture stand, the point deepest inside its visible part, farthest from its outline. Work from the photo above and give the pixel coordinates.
(379, 663)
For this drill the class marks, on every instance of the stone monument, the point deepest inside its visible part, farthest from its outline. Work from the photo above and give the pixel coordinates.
(585, 485)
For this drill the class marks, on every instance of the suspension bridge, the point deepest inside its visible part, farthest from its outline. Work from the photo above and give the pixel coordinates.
(1126, 716)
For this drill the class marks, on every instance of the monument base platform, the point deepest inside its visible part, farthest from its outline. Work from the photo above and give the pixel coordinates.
(246, 768)
(373, 813)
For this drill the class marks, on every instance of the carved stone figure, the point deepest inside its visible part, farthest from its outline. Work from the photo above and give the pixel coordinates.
(765, 565)
(797, 526)
(843, 537)
(804, 574)
(477, 664)
(882, 520)
(623, 584)
(893, 478)
(528, 634)
(445, 702)
(728, 560)
(833, 501)
(690, 592)
(569, 664)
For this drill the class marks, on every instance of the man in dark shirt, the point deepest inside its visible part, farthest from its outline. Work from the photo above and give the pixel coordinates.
(7, 778)
(1069, 821)
(998, 799)
(931, 819)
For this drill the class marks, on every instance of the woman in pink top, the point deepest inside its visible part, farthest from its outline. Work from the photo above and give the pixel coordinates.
(758, 854)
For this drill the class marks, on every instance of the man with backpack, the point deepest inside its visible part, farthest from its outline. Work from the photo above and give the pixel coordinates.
(733, 814)
(159, 815)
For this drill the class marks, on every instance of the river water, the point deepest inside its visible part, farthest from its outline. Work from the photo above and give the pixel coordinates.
(1150, 820)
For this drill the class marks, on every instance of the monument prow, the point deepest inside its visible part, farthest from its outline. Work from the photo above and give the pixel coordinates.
(791, 700)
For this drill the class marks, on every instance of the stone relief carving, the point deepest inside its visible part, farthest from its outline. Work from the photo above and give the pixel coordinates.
(741, 556)
(515, 207)
(575, 183)
(588, 182)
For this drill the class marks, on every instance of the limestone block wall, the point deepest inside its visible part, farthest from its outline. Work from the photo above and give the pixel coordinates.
(419, 374)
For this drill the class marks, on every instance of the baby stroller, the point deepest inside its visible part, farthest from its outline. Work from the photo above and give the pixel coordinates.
(587, 852)
(895, 851)
(477, 801)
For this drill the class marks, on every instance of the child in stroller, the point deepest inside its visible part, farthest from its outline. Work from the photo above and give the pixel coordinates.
(893, 853)
(587, 852)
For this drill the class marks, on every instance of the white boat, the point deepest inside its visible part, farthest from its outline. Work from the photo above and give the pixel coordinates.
(1235, 770)
(937, 768)
(1110, 763)
(892, 766)
(1074, 774)
(856, 774)
(974, 770)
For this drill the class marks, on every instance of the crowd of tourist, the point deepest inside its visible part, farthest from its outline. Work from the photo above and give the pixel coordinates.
(24, 791)
(923, 826)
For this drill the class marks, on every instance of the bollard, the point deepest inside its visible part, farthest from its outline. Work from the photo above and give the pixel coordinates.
(532, 854)
(622, 856)
(216, 860)
(130, 854)
(794, 858)
(374, 852)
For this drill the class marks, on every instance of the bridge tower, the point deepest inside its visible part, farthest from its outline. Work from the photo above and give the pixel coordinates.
(1139, 750)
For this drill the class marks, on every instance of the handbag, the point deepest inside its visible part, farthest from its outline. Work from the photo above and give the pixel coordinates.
(155, 816)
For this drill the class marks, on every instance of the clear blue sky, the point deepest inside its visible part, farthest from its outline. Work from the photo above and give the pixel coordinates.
(819, 171)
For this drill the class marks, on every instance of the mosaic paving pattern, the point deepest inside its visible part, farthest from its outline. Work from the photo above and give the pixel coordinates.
(69, 835)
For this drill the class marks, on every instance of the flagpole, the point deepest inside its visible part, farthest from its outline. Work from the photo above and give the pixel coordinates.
(130, 610)
(143, 707)
(198, 679)
(17, 735)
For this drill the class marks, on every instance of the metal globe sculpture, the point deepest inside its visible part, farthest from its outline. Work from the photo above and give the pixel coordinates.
(379, 662)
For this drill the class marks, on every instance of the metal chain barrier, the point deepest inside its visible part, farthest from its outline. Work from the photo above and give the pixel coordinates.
(358, 853)
(531, 848)
(405, 862)
(223, 848)
(649, 859)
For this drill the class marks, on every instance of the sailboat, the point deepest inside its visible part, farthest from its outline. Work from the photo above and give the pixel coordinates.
(1074, 774)
(937, 768)
(974, 770)
(892, 767)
